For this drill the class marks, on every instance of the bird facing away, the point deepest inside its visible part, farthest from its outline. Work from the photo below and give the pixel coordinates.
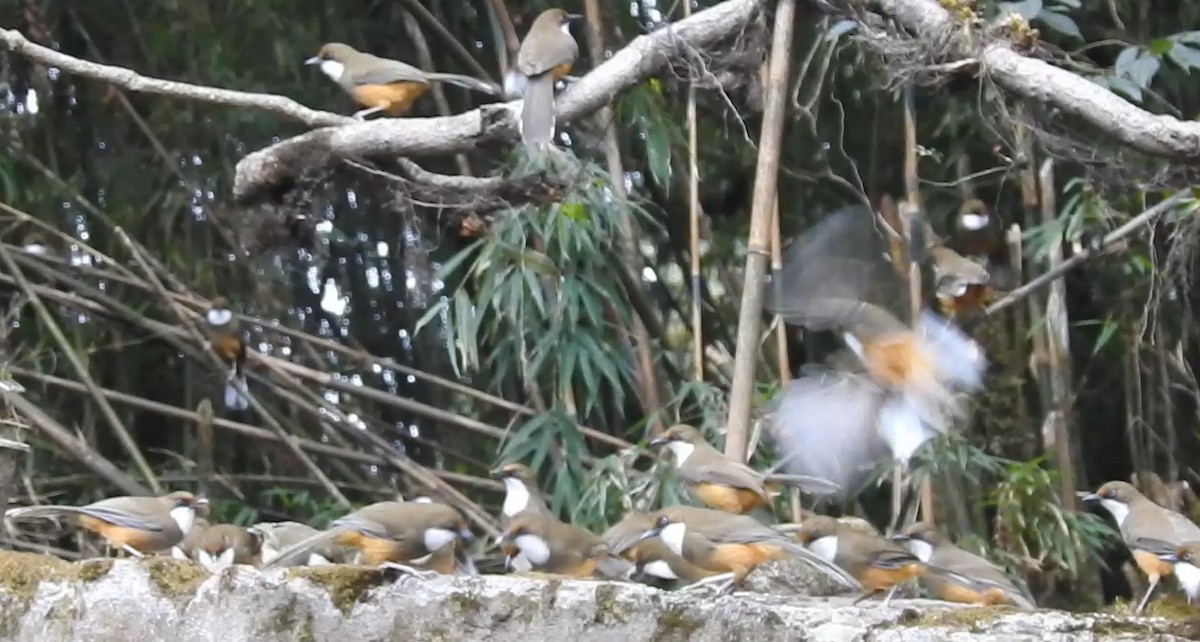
(382, 84)
(718, 481)
(224, 545)
(731, 545)
(546, 55)
(897, 384)
(228, 342)
(1150, 531)
(973, 579)
(1186, 563)
(278, 536)
(391, 534)
(875, 562)
(136, 525)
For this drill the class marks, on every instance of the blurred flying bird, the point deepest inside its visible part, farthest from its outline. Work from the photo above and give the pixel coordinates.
(896, 384)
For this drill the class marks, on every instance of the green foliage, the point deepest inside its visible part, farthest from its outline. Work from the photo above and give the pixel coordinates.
(1032, 527)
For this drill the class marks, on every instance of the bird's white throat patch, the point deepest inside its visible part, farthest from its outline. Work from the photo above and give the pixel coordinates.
(516, 496)
(681, 450)
(533, 548)
(436, 538)
(183, 516)
(922, 549)
(672, 536)
(219, 316)
(1118, 510)
(825, 547)
(333, 69)
(973, 221)
(1189, 578)
(660, 569)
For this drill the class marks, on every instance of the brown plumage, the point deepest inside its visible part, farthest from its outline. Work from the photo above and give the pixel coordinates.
(875, 562)
(389, 533)
(227, 340)
(719, 542)
(136, 525)
(382, 84)
(279, 536)
(555, 547)
(971, 579)
(1149, 530)
(547, 53)
(894, 387)
(521, 496)
(720, 482)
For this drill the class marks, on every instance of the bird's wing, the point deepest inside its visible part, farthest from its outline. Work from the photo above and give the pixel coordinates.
(1185, 529)
(550, 53)
(979, 572)
(843, 259)
(626, 533)
(727, 473)
(824, 426)
(384, 71)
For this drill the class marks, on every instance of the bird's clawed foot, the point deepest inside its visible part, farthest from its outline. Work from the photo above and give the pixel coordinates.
(722, 584)
(408, 570)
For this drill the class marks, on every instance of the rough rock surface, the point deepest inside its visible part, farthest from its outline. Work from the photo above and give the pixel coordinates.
(161, 599)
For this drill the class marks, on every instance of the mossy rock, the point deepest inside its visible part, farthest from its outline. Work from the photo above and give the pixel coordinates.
(21, 573)
(345, 584)
(175, 578)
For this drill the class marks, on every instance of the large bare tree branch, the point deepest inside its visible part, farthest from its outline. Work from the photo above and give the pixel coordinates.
(1162, 136)
(275, 166)
(133, 81)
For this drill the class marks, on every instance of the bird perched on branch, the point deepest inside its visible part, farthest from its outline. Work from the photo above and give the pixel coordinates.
(974, 266)
(546, 55)
(228, 342)
(899, 380)
(1153, 534)
(382, 84)
(722, 483)
(392, 535)
(136, 525)
(970, 579)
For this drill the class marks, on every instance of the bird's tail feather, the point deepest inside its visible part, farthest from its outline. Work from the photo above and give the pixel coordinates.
(466, 82)
(300, 550)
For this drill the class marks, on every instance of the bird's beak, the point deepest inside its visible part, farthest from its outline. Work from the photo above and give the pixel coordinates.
(466, 535)
(498, 474)
(1090, 497)
(200, 501)
(572, 17)
(900, 537)
(657, 441)
(313, 61)
(650, 534)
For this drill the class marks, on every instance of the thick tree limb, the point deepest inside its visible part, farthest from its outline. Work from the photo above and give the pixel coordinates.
(1162, 136)
(278, 165)
(133, 81)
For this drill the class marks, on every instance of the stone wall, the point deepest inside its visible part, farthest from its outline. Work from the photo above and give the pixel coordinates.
(48, 600)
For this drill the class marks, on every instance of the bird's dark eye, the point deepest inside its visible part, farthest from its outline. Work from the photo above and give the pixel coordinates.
(663, 521)
(1108, 494)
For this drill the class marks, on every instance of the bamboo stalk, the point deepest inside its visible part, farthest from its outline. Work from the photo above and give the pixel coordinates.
(914, 222)
(110, 415)
(694, 224)
(766, 182)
